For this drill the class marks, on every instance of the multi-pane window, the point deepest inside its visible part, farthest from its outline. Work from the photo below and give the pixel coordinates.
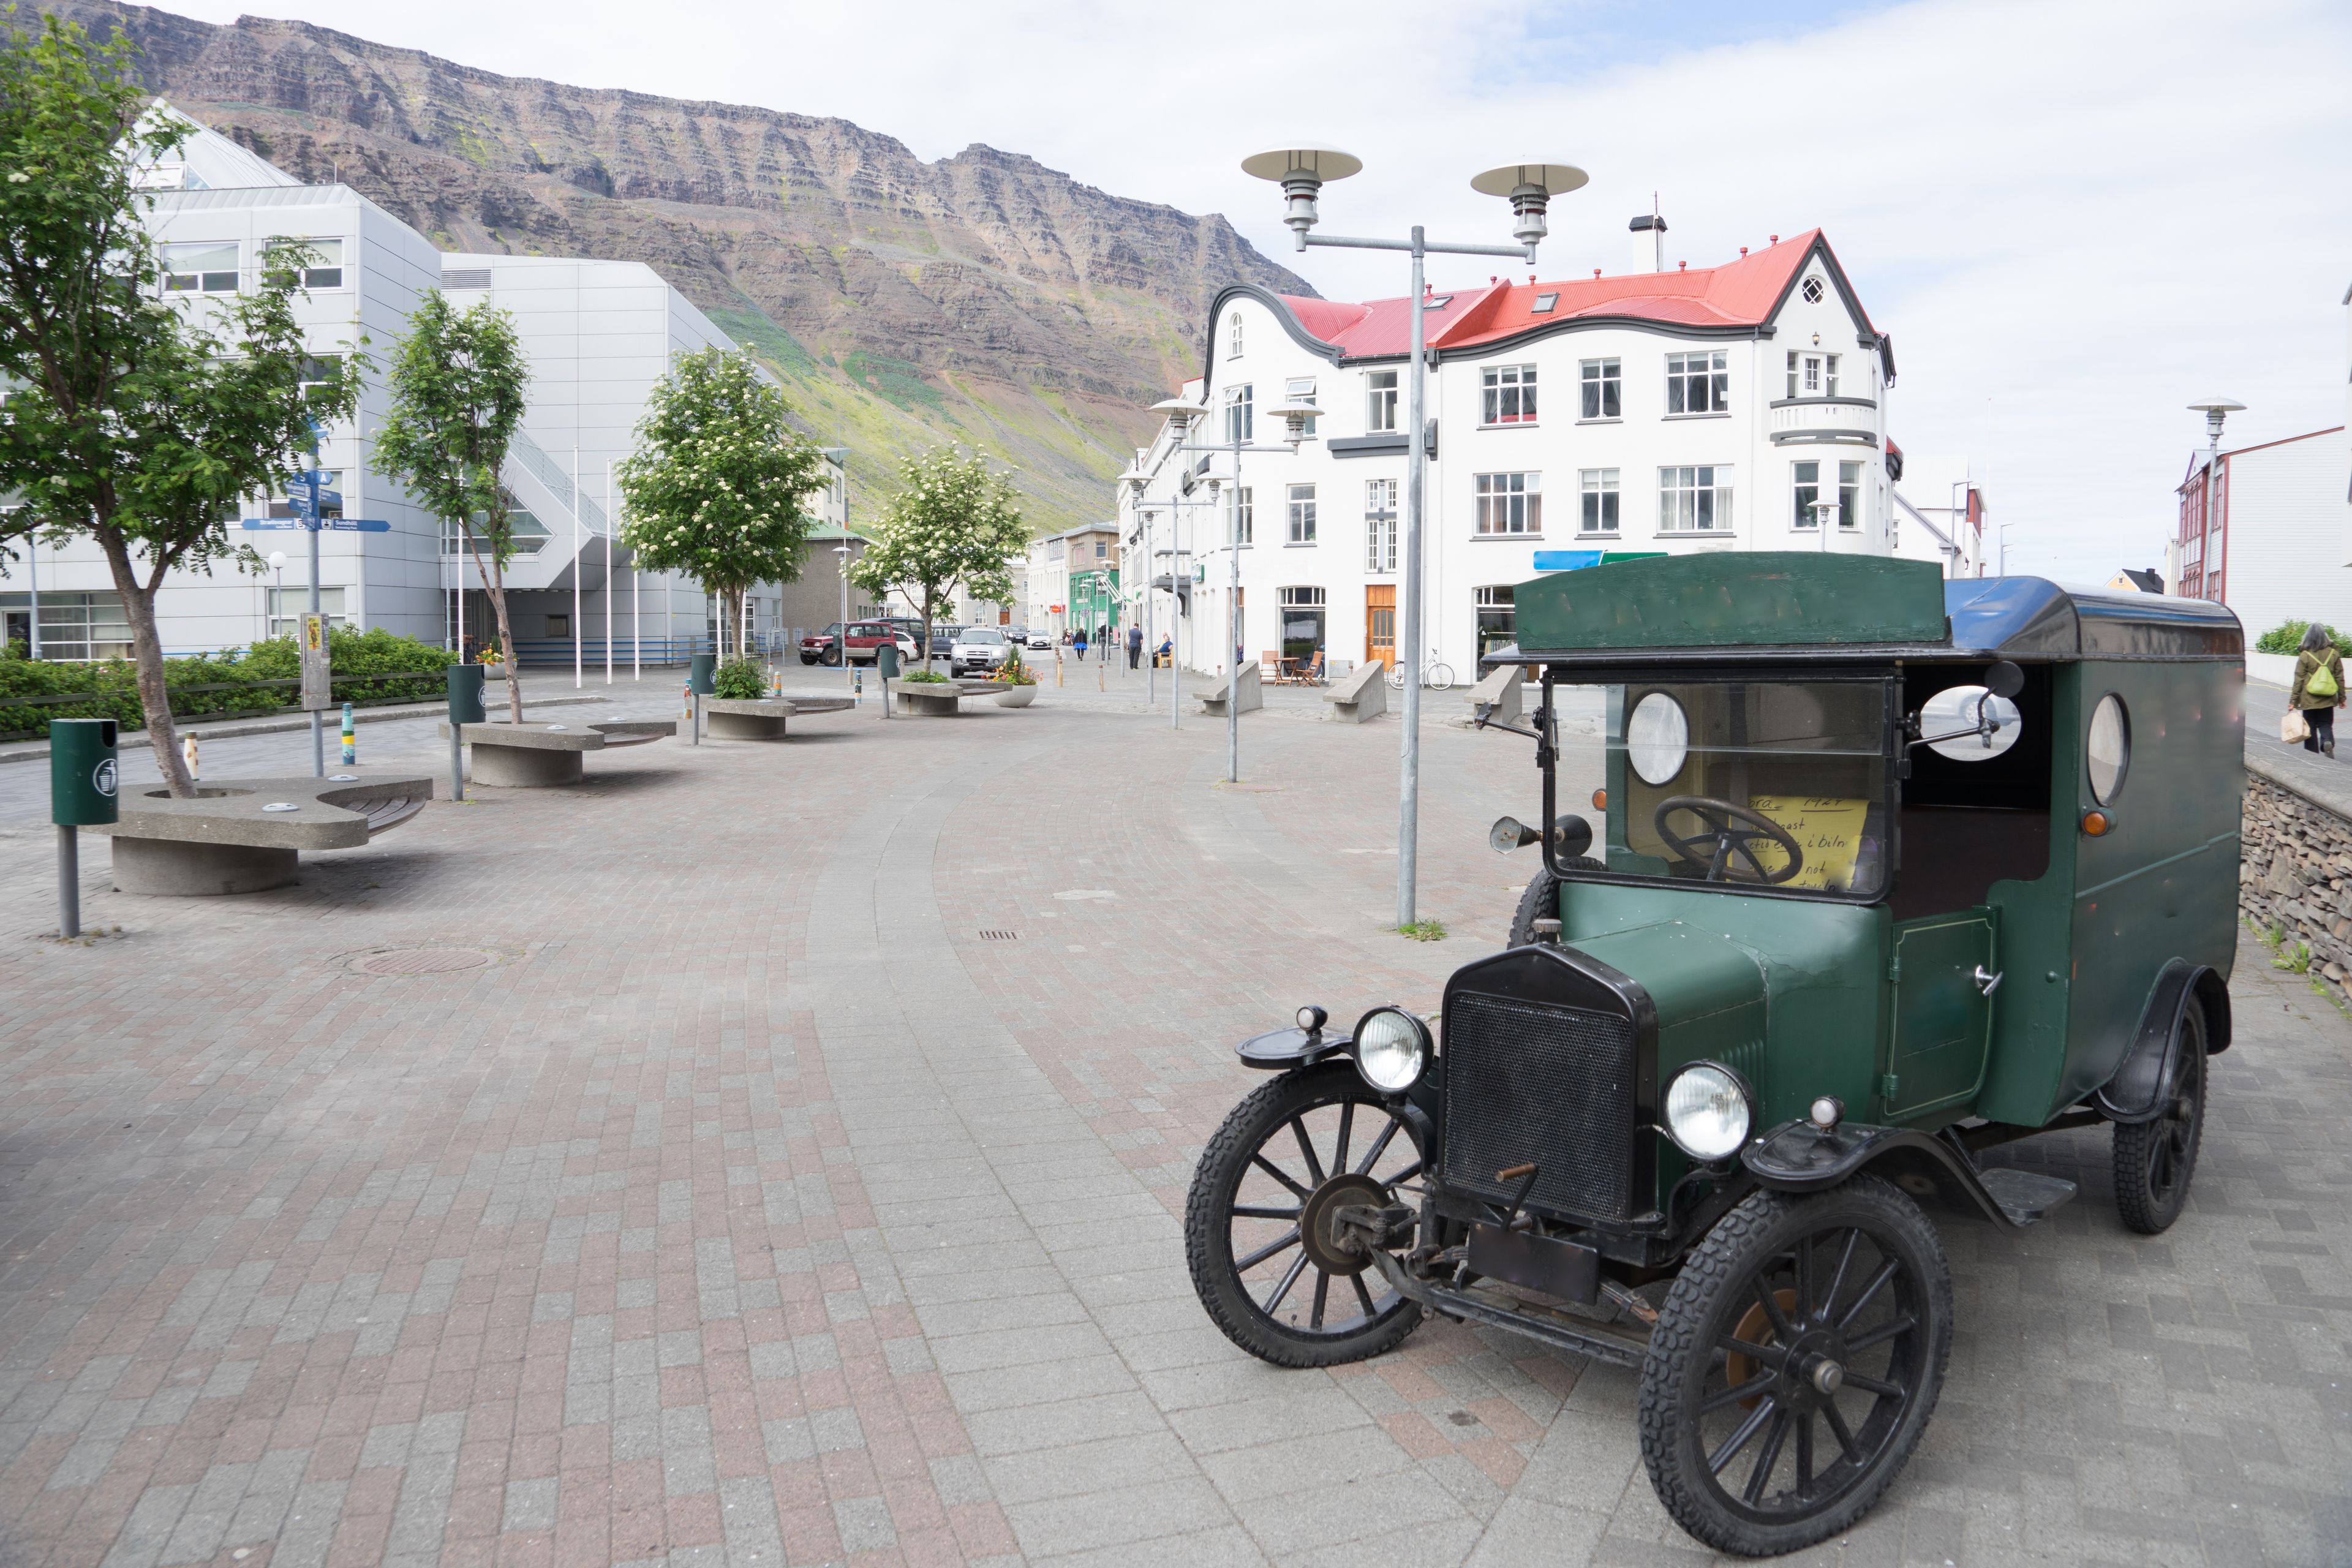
(1379, 525)
(1849, 495)
(321, 374)
(325, 268)
(1807, 489)
(205, 268)
(1302, 391)
(1233, 336)
(1812, 374)
(1599, 488)
(1510, 393)
(288, 605)
(1698, 383)
(74, 627)
(1497, 619)
(1241, 412)
(1380, 400)
(1302, 514)
(1510, 503)
(1599, 386)
(1244, 505)
(1694, 500)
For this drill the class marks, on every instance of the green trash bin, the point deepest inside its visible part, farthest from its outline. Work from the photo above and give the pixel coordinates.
(82, 772)
(886, 663)
(466, 695)
(703, 673)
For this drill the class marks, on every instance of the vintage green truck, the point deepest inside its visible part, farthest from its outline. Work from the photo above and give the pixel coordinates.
(1874, 873)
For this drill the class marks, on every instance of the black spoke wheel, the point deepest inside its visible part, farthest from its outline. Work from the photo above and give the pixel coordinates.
(1260, 1230)
(2156, 1161)
(1795, 1365)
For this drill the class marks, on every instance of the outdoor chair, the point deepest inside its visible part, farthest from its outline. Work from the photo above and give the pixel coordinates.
(1270, 667)
(1310, 672)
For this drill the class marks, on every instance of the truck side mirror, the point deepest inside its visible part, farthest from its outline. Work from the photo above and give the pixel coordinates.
(2004, 679)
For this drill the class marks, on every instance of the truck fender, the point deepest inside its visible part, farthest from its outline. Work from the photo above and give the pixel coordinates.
(1801, 1157)
(1279, 1050)
(2142, 1084)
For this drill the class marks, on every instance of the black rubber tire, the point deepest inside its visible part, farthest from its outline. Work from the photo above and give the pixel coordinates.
(830, 659)
(1208, 1226)
(1539, 901)
(1717, 1283)
(2156, 1161)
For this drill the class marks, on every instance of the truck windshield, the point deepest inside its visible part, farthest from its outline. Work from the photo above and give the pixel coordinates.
(1741, 784)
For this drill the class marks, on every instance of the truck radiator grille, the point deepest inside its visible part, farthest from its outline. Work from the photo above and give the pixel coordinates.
(1552, 1085)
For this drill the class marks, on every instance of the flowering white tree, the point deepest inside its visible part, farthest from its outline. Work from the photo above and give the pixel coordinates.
(952, 522)
(718, 485)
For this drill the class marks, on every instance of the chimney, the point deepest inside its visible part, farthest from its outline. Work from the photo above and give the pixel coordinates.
(1649, 243)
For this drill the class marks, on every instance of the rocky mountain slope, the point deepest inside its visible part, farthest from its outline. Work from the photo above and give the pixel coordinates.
(983, 298)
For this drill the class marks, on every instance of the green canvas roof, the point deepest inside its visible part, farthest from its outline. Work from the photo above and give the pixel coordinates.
(1732, 599)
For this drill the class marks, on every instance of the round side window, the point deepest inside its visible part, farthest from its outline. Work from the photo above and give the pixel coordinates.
(2110, 749)
(1657, 738)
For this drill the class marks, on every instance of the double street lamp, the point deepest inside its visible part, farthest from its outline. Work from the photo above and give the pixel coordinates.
(1302, 172)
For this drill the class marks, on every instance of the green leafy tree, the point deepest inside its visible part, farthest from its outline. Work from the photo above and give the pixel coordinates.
(129, 419)
(718, 485)
(460, 384)
(953, 523)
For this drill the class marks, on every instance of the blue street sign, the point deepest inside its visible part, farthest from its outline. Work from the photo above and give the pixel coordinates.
(332, 525)
(311, 475)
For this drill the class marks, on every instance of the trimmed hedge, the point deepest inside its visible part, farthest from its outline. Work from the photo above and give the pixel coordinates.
(2288, 638)
(234, 676)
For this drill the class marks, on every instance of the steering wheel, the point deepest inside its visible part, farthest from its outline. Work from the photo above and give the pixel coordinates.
(1724, 837)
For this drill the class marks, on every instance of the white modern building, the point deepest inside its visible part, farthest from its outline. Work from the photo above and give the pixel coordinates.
(2279, 532)
(1939, 513)
(598, 335)
(1734, 407)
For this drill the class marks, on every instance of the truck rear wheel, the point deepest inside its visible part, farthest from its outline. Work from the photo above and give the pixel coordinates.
(1260, 1236)
(1539, 901)
(1795, 1364)
(2156, 1161)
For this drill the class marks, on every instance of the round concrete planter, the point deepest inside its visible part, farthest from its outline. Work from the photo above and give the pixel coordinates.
(1016, 697)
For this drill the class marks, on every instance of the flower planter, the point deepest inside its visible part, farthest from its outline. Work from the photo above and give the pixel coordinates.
(1016, 697)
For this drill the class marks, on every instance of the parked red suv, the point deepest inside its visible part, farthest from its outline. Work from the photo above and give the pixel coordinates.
(864, 637)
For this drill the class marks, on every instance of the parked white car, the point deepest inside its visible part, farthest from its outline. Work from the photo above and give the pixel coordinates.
(978, 651)
(1042, 641)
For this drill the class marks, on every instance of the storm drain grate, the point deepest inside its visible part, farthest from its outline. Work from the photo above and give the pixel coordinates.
(1000, 936)
(422, 961)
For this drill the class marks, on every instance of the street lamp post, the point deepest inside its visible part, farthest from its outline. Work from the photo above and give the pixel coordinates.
(841, 639)
(2001, 544)
(1301, 172)
(2215, 410)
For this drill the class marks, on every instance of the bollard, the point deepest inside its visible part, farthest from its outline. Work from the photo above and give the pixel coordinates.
(857, 689)
(465, 708)
(188, 754)
(81, 795)
(351, 738)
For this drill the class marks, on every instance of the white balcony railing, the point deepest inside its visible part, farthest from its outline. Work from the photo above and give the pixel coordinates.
(1839, 419)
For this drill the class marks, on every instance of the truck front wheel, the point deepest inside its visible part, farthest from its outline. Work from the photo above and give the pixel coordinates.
(1795, 1364)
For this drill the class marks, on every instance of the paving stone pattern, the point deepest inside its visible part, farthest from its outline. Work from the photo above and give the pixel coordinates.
(751, 1207)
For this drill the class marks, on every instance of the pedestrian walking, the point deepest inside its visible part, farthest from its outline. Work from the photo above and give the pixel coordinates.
(2318, 689)
(1135, 647)
(1078, 644)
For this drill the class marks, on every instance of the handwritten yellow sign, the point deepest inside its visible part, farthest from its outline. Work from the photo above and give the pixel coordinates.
(1827, 829)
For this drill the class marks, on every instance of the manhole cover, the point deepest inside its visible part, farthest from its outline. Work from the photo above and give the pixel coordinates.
(422, 961)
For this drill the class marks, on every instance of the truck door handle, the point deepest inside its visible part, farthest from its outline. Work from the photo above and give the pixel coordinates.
(1988, 983)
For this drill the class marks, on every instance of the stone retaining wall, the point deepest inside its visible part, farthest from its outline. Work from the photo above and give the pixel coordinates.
(2296, 877)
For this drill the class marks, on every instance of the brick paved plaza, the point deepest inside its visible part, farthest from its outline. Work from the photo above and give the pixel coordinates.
(752, 1204)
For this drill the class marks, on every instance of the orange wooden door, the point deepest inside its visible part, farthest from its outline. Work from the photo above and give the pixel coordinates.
(1380, 624)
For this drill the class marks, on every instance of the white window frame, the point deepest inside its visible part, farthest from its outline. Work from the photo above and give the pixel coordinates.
(1233, 336)
(1506, 395)
(1301, 389)
(1241, 412)
(281, 500)
(1601, 391)
(283, 609)
(312, 278)
(1804, 494)
(1302, 514)
(1702, 376)
(1381, 527)
(1599, 515)
(1695, 499)
(1849, 511)
(1382, 402)
(1244, 507)
(203, 279)
(1509, 505)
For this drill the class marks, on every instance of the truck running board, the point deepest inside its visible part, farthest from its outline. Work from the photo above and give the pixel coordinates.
(2027, 1197)
(1578, 1336)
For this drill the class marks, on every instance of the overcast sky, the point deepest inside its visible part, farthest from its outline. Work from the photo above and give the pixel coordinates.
(2074, 218)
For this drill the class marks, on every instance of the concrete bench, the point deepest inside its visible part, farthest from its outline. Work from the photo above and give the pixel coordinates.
(541, 756)
(928, 699)
(1361, 697)
(230, 839)
(1252, 697)
(1504, 692)
(760, 718)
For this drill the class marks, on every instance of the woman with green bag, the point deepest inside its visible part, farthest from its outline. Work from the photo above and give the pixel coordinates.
(2318, 688)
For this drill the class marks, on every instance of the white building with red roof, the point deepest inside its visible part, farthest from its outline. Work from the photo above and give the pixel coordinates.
(1734, 407)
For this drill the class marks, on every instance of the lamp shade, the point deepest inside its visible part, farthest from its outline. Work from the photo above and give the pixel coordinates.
(1553, 179)
(1183, 410)
(1320, 162)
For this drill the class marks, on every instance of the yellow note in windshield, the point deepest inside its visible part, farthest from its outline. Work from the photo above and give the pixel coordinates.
(1827, 829)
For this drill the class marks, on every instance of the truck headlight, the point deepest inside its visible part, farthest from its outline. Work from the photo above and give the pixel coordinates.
(1709, 1110)
(1391, 1048)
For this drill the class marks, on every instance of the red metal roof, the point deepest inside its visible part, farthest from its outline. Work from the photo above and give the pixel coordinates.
(1739, 293)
